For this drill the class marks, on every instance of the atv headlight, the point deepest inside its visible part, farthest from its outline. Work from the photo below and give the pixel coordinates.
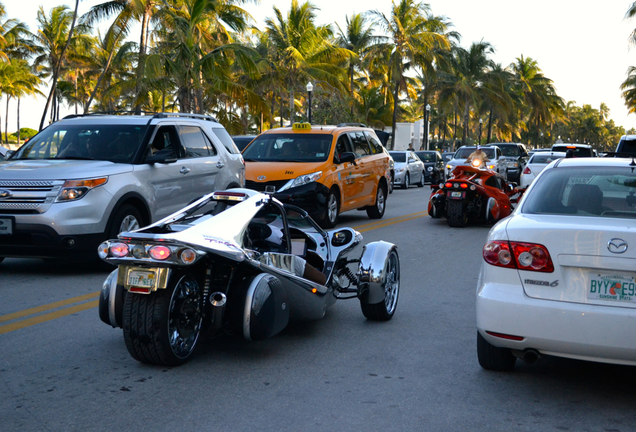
(307, 178)
(76, 189)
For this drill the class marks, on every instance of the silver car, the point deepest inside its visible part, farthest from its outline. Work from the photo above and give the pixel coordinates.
(87, 178)
(409, 169)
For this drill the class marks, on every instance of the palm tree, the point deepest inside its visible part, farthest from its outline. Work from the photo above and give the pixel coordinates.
(305, 51)
(17, 80)
(411, 40)
(358, 38)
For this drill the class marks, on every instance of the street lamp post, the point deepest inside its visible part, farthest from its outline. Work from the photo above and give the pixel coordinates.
(427, 121)
(310, 88)
(480, 123)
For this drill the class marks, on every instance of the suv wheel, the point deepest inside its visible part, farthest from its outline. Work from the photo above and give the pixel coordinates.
(126, 218)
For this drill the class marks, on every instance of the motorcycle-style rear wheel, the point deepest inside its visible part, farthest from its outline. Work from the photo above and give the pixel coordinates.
(455, 214)
(384, 311)
(163, 328)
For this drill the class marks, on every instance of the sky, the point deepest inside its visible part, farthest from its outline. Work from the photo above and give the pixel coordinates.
(582, 45)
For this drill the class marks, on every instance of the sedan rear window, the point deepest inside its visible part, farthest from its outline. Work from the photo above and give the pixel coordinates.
(584, 191)
(578, 151)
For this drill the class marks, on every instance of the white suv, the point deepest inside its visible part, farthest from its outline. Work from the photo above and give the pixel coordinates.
(87, 178)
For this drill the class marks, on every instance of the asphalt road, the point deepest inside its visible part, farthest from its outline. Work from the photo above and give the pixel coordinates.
(62, 369)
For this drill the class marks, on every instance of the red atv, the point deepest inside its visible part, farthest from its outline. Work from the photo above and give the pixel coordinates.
(472, 194)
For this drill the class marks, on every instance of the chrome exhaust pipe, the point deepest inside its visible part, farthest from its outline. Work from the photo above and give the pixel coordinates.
(218, 301)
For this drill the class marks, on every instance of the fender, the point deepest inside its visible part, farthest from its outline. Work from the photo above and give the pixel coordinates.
(372, 271)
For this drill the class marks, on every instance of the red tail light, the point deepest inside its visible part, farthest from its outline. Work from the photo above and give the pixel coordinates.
(448, 185)
(518, 255)
(463, 185)
(527, 171)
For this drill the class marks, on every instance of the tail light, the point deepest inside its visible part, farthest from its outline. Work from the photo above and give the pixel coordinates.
(518, 255)
(527, 171)
(159, 252)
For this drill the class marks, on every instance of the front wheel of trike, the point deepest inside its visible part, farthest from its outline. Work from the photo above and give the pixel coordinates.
(384, 310)
(163, 327)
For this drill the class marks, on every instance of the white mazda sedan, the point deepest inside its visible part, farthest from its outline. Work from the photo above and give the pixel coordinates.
(559, 275)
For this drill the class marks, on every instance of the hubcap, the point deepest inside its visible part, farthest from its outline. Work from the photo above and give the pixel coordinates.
(380, 200)
(184, 322)
(392, 283)
(130, 223)
(332, 208)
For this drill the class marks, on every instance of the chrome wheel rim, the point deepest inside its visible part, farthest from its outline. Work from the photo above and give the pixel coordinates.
(392, 286)
(332, 208)
(380, 201)
(406, 181)
(129, 223)
(184, 317)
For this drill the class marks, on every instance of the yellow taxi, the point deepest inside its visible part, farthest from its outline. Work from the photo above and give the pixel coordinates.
(325, 170)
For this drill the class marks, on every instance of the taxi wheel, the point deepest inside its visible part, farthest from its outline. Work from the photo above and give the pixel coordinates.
(330, 218)
(376, 211)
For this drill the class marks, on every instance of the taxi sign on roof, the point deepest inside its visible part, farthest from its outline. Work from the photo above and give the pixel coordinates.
(301, 127)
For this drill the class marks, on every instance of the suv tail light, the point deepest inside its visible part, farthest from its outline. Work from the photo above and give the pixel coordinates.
(518, 255)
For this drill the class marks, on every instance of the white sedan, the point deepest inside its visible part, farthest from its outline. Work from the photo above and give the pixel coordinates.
(559, 275)
(536, 164)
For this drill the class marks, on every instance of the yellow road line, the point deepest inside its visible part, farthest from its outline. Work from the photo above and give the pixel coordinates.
(46, 307)
(88, 305)
(47, 317)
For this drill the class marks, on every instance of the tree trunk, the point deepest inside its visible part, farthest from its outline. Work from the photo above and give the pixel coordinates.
(141, 61)
(6, 122)
(291, 106)
(281, 110)
(351, 90)
(489, 127)
(466, 118)
(395, 108)
(101, 77)
(18, 118)
(455, 127)
(58, 66)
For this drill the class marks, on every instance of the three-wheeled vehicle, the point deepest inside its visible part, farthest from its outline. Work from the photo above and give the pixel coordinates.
(237, 261)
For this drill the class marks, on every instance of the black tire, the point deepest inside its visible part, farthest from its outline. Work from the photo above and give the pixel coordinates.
(455, 214)
(1, 259)
(391, 184)
(435, 213)
(406, 183)
(492, 358)
(152, 322)
(376, 211)
(125, 218)
(330, 219)
(421, 183)
(385, 310)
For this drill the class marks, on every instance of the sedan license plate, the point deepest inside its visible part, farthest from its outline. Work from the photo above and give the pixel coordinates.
(612, 287)
(141, 279)
(456, 194)
(6, 226)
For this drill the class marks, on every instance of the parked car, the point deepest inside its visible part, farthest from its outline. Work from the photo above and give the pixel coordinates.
(447, 156)
(626, 145)
(242, 141)
(536, 164)
(409, 169)
(86, 178)
(558, 275)
(496, 162)
(516, 157)
(578, 150)
(434, 166)
(325, 170)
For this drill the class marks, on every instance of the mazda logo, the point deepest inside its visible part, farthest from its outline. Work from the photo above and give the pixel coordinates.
(4, 194)
(617, 246)
(261, 178)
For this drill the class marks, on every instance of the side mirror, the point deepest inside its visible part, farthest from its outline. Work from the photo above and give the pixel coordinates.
(164, 156)
(345, 157)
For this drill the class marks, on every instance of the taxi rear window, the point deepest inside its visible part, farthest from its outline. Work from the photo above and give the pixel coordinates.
(297, 147)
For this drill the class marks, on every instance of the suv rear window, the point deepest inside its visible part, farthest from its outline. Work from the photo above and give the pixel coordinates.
(578, 151)
(584, 191)
(294, 147)
(111, 142)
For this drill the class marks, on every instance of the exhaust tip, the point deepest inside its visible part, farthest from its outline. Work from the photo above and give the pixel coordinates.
(531, 356)
(218, 299)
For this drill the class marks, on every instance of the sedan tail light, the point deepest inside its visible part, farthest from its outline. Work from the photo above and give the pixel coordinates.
(518, 255)
(527, 171)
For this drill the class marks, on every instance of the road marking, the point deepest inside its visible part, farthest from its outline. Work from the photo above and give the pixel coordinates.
(6, 328)
(47, 317)
(46, 307)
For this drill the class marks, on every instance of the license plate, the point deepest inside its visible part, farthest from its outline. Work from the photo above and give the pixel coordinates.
(612, 287)
(457, 194)
(142, 279)
(6, 226)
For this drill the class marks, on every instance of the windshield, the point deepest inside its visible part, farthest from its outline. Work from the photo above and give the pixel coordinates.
(293, 147)
(584, 191)
(114, 143)
(463, 153)
(509, 150)
(426, 156)
(546, 158)
(399, 157)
